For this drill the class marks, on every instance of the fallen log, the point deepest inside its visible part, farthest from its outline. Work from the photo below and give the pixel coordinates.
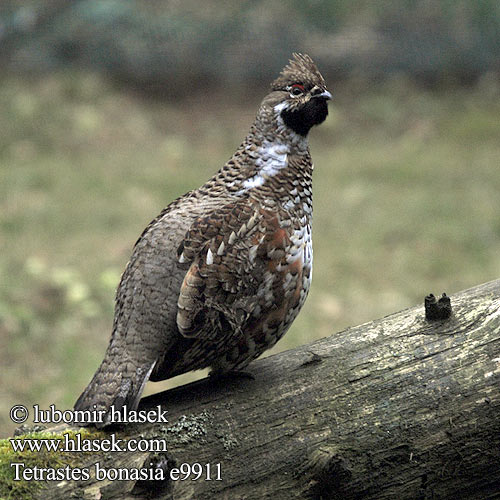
(398, 408)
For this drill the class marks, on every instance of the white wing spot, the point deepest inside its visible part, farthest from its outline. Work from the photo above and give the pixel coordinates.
(242, 230)
(210, 257)
(253, 252)
(220, 251)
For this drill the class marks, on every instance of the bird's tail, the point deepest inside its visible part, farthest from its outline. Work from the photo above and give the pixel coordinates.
(112, 387)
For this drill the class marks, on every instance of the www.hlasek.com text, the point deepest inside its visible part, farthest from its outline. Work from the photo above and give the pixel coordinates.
(77, 444)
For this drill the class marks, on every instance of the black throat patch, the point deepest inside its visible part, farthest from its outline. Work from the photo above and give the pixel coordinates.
(312, 113)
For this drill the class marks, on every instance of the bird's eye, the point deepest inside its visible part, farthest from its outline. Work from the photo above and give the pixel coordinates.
(297, 89)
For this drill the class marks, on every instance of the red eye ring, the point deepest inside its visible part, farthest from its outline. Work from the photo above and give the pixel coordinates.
(297, 89)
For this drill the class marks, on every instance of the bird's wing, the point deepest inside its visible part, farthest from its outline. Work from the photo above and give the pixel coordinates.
(236, 261)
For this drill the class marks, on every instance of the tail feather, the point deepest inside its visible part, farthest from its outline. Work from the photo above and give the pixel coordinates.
(113, 386)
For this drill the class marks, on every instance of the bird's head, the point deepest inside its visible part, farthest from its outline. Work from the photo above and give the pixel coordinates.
(299, 95)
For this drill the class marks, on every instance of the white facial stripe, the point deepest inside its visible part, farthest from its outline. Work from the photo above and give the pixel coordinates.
(280, 107)
(298, 141)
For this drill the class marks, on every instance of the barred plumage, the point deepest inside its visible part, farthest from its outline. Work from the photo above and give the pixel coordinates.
(218, 277)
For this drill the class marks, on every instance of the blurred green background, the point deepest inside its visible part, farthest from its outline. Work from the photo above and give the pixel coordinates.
(111, 108)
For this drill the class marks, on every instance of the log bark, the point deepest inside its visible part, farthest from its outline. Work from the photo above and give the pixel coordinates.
(398, 408)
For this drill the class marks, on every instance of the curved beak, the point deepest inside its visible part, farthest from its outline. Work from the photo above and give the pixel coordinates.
(321, 93)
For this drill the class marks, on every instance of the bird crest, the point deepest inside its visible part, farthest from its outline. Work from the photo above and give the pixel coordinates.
(300, 69)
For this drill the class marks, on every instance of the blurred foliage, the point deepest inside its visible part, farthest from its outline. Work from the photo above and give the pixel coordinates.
(172, 47)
